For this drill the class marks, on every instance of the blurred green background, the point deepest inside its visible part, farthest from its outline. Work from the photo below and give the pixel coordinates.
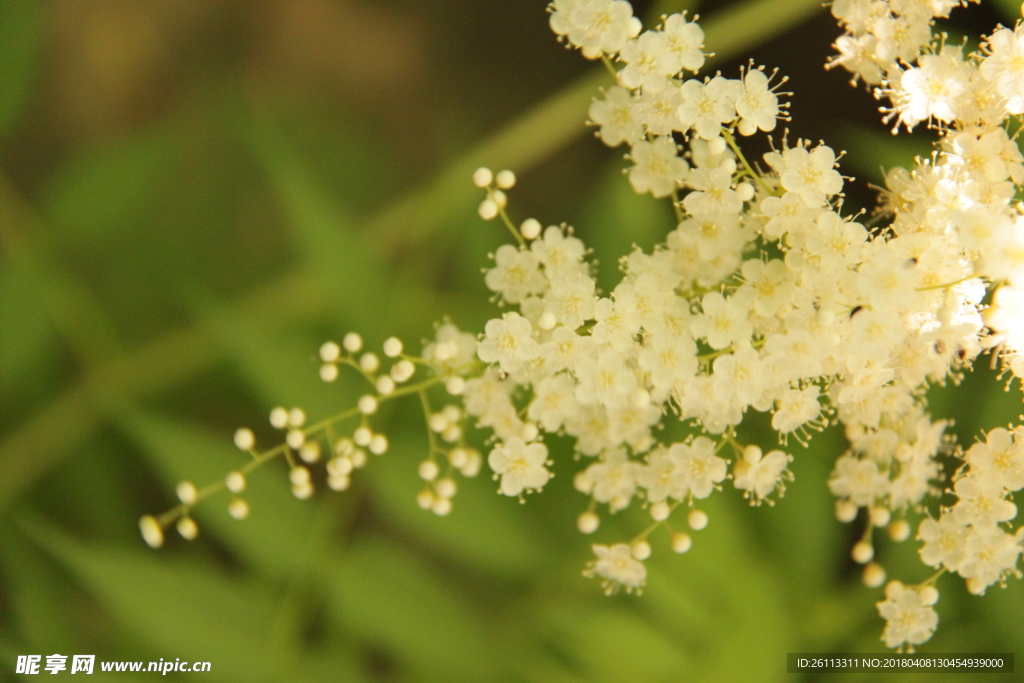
(195, 194)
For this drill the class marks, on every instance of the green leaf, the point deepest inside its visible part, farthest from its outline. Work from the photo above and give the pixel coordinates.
(180, 608)
(21, 41)
(621, 219)
(384, 595)
(349, 267)
(611, 645)
(724, 599)
(103, 190)
(872, 154)
(38, 596)
(283, 369)
(1010, 9)
(28, 340)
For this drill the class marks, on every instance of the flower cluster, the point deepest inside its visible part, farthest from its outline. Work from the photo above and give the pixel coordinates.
(765, 297)
(959, 206)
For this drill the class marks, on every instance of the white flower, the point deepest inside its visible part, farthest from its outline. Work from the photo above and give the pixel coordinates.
(617, 321)
(859, 480)
(571, 299)
(685, 39)
(907, 619)
(516, 274)
(706, 106)
(758, 106)
(981, 500)
(788, 214)
(594, 26)
(796, 407)
(900, 37)
(722, 321)
(554, 402)
(740, 375)
(617, 115)
(521, 466)
(558, 252)
(563, 350)
(771, 285)
(944, 541)
(989, 554)
(668, 361)
(683, 469)
(811, 174)
(487, 393)
(617, 566)
(932, 90)
(857, 55)
(762, 476)
(657, 168)
(647, 58)
(606, 379)
(834, 242)
(1004, 66)
(698, 466)
(713, 193)
(611, 481)
(508, 342)
(1002, 456)
(658, 106)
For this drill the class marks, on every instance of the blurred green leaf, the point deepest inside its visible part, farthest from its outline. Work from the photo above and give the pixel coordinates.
(21, 40)
(103, 190)
(27, 344)
(384, 595)
(1010, 9)
(801, 530)
(180, 608)
(725, 599)
(348, 266)
(38, 596)
(872, 153)
(620, 219)
(281, 369)
(613, 645)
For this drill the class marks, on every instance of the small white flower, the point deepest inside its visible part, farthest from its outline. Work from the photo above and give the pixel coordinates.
(594, 26)
(619, 569)
(521, 466)
(612, 480)
(657, 167)
(686, 39)
(647, 58)
(811, 174)
(859, 480)
(707, 106)
(908, 620)
(516, 274)
(763, 476)
(722, 321)
(618, 116)
(758, 106)
(508, 342)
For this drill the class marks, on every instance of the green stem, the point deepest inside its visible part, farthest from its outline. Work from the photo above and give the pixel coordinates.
(609, 66)
(260, 459)
(510, 225)
(731, 141)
